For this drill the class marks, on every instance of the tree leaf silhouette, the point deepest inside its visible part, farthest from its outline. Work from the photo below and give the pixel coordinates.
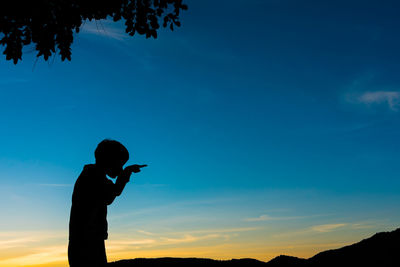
(50, 24)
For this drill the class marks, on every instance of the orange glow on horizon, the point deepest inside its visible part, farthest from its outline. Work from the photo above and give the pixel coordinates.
(58, 257)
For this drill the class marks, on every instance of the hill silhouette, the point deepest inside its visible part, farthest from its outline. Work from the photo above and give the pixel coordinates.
(379, 250)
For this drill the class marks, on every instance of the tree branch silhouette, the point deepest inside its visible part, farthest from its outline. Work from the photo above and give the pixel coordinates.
(50, 24)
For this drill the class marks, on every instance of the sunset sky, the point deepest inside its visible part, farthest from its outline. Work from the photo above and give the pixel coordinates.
(269, 126)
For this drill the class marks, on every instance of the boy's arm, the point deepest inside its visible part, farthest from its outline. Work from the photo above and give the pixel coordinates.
(114, 190)
(122, 180)
(120, 185)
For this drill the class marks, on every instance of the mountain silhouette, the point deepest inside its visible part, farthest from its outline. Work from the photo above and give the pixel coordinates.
(186, 262)
(284, 260)
(380, 250)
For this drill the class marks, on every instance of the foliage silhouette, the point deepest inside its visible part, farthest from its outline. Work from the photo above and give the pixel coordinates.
(379, 250)
(50, 24)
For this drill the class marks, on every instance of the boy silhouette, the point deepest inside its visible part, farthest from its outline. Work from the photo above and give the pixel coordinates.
(93, 191)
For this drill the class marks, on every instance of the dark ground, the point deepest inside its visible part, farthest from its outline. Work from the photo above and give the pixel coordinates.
(380, 250)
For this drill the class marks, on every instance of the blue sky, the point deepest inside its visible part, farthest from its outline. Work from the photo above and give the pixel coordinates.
(266, 118)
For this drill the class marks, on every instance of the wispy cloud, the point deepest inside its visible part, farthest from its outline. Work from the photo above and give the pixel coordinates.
(16, 242)
(147, 185)
(39, 256)
(26, 239)
(362, 226)
(219, 231)
(260, 218)
(222, 230)
(188, 238)
(324, 228)
(190, 204)
(265, 217)
(145, 232)
(127, 244)
(56, 185)
(321, 228)
(156, 240)
(32, 247)
(134, 242)
(391, 99)
(104, 28)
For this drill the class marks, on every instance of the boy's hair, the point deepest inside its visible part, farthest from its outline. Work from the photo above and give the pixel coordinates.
(110, 150)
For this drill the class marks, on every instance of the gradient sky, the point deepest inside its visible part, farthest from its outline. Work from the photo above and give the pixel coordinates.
(269, 127)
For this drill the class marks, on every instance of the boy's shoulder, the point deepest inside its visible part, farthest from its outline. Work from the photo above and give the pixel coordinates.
(89, 167)
(91, 170)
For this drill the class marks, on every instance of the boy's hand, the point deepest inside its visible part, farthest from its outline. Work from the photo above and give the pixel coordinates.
(126, 173)
(134, 168)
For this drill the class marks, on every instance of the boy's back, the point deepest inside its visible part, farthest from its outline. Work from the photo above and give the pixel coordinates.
(92, 193)
(88, 220)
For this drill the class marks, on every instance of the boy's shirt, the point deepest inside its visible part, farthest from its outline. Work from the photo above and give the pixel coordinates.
(92, 193)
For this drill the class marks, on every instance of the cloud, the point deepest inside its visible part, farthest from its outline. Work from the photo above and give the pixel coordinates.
(362, 226)
(56, 185)
(16, 242)
(210, 231)
(134, 242)
(261, 218)
(125, 244)
(327, 228)
(187, 239)
(145, 232)
(265, 217)
(389, 98)
(227, 230)
(32, 247)
(324, 228)
(147, 185)
(104, 28)
(157, 240)
(40, 256)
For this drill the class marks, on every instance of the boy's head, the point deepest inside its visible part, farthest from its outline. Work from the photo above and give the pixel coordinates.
(111, 155)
